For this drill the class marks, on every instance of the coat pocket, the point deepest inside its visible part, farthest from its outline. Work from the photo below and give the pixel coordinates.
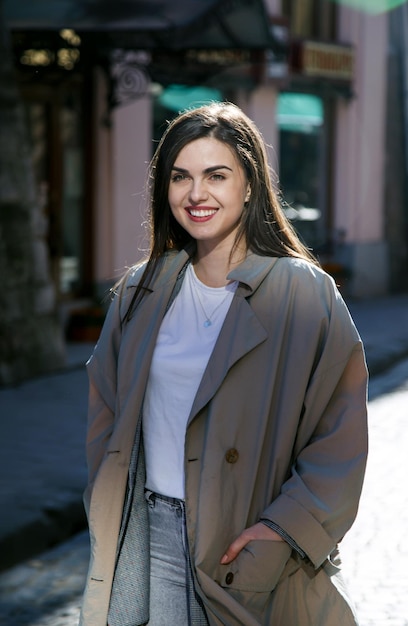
(254, 574)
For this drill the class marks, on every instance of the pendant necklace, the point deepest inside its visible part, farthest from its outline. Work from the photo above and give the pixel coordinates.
(208, 321)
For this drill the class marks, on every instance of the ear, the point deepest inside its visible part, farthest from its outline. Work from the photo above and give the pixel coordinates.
(248, 193)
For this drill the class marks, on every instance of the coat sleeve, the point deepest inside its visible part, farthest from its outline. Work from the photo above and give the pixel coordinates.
(318, 503)
(102, 376)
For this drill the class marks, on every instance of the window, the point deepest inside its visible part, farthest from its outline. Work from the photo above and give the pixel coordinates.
(56, 126)
(311, 19)
(300, 119)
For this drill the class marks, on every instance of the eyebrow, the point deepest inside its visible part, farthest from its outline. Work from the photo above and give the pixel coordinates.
(208, 170)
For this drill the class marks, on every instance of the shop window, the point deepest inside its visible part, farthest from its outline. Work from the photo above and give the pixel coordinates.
(300, 119)
(71, 262)
(55, 123)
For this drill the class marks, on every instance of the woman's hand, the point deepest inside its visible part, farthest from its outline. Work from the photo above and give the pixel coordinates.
(257, 531)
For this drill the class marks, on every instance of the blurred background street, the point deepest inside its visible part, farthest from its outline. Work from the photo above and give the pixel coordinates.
(86, 90)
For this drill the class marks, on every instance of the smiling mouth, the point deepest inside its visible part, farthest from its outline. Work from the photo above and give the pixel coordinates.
(194, 212)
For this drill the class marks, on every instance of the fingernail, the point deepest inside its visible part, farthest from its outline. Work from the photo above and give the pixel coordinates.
(224, 559)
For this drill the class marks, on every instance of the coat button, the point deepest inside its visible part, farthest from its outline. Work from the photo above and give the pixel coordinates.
(232, 455)
(229, 578)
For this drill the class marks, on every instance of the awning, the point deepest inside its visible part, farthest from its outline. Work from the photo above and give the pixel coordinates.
(373, 7)
(217, 43)
(179, 97)
(146, 24)
(299, 112)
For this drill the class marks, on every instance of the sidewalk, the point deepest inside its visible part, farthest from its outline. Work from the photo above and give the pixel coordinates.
(383, 326)
(42, 463)
(42, 460)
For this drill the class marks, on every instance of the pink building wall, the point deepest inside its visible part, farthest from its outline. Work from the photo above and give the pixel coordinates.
(360, 155)
(122, 154)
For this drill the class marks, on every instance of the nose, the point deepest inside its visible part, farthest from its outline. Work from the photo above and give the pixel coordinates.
(198, 191)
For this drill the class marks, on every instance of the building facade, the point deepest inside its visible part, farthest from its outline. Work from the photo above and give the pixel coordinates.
(319, 100)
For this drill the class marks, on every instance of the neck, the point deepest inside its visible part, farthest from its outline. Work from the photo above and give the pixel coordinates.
(213, 266)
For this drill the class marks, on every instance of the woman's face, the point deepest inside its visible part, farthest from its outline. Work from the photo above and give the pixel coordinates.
(207, 192)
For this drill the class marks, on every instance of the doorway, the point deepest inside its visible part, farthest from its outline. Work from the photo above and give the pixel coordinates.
(56, 127)
(303, 165)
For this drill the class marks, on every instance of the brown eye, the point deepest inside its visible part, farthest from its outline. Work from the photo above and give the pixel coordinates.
(177, 177)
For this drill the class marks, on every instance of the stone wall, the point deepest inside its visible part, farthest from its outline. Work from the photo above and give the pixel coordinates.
(31, 340)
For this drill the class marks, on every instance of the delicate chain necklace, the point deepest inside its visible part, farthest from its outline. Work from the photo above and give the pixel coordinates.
(208, 321)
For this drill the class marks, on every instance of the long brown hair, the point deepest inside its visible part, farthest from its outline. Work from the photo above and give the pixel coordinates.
(263, 226)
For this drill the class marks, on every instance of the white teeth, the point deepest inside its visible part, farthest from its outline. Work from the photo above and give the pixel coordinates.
(202, 213)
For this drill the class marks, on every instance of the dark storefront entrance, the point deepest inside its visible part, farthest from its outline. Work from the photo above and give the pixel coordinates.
(303, 173)
(56, 119)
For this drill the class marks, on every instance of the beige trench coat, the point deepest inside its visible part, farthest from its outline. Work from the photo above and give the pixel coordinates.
(277, 430)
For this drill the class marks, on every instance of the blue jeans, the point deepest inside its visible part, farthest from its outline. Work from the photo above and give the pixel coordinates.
(173, 601)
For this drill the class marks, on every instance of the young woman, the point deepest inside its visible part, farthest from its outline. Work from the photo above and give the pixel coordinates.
(227, 417)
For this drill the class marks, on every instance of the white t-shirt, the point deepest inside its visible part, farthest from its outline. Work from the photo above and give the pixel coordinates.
(184, 344)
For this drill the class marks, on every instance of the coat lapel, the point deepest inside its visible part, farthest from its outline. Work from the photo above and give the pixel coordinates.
(241, 331)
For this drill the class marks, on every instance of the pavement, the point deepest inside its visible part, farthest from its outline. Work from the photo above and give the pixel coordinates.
(42, 448)
(374, 552)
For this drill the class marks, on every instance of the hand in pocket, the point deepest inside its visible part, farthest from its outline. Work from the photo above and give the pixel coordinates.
(257, 532)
